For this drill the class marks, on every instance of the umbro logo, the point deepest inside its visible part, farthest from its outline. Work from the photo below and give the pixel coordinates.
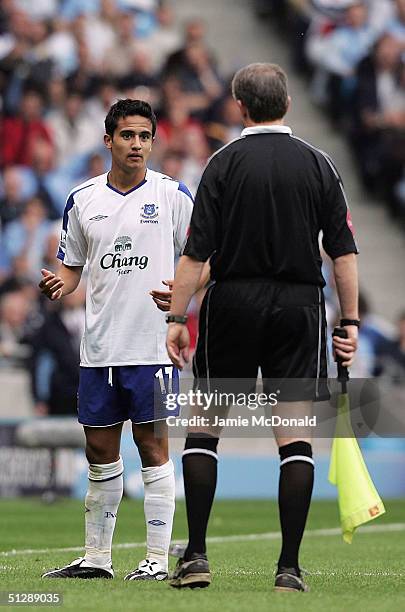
(156, 522)
(98, 217)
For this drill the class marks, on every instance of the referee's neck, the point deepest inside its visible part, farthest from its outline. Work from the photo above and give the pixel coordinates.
(249, 123)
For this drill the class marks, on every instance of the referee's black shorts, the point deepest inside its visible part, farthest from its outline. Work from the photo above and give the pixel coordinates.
(277, 326)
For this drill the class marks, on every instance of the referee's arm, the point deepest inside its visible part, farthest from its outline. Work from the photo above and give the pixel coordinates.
(346, 279)
(186, 283)
(339, 243)
(202, 242)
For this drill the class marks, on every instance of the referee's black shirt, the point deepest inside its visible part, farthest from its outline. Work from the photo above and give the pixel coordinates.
(262, 201)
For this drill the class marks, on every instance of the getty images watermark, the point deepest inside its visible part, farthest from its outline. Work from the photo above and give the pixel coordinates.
(209, 402)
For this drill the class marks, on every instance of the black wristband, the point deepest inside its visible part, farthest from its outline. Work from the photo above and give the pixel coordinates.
(176, 319)
(346, 322)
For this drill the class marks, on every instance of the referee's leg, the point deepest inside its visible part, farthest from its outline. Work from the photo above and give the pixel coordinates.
(296, 481)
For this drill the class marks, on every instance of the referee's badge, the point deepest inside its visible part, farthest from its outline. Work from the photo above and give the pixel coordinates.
(349, 221)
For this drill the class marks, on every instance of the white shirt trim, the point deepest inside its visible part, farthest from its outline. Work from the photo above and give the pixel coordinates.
(266, 129)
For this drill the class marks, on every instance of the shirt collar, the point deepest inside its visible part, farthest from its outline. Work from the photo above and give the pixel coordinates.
(266, 129)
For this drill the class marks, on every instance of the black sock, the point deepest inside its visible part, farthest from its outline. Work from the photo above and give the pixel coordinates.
(200, 481)
(294, 498)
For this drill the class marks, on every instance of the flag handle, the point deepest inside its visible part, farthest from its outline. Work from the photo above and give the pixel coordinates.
(343, 372)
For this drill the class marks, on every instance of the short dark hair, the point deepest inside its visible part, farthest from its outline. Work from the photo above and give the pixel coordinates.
(263, 90)
(127, 108)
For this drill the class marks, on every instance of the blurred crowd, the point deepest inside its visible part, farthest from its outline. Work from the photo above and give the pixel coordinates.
(352, 53)
(64, 62)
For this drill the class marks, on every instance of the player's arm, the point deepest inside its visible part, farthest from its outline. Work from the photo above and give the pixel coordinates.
(63, 282)
(346, 279)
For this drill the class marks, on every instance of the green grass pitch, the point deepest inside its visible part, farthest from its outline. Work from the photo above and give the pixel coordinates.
(367, 576)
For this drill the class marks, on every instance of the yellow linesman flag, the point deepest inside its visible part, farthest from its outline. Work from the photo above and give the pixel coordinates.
(358, 498)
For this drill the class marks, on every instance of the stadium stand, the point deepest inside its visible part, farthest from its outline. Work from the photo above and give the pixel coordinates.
(64, 62)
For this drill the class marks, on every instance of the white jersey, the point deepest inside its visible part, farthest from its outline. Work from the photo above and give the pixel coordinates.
(129, 241)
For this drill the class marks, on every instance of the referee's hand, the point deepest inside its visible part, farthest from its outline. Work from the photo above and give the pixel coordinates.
(178, 344)
(345, 348)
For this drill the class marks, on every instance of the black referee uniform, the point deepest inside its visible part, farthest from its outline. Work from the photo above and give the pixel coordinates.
(261, 204)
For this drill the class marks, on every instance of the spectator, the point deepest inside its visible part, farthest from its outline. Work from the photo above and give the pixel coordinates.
(43, 166)
(25, 237)
(392, 355)
(335, 53)
(40, 9)
(99, 32)
(140, 75)
(56, 355)
(59, 48)
(225, 124)
(379, 119)
(340, 49)
(12, 200)
(15, 349)
(194, 32)
(19, 133)
(74, 131)
(177, 124)
(85, 77)
(164, 40)
(396, 27)
(118, 58)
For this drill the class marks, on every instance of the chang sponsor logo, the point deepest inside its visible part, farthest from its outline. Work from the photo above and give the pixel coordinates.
(120, 260)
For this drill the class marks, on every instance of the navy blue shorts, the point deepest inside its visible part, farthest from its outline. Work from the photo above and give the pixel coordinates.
(112, 395)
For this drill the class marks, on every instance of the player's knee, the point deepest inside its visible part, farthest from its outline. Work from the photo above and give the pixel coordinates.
(152, 452)
(298, 451)
(97, 453)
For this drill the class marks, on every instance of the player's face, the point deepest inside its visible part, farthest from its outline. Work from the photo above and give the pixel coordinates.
(131, 143)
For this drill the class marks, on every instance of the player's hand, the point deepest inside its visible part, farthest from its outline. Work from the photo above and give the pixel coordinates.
(163, 299)
(51, 285)
(346, 347)
(178, 344)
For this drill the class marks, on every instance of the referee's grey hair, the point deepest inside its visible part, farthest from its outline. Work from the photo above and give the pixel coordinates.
(263, 90)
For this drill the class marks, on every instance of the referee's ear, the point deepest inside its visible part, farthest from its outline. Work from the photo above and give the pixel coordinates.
(243, 110)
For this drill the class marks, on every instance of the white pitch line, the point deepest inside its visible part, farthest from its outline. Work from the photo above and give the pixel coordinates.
(249, 537)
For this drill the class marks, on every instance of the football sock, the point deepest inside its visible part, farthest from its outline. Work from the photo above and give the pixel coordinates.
(102, 500)
(200, 480)
(294, 497)
(159, 486)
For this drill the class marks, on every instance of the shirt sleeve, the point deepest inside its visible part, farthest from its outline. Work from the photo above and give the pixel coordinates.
(182, 209)
(338, 231)
(73, 245)
(205, 226)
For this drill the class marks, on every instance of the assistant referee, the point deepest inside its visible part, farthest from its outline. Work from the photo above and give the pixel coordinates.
(261, 205)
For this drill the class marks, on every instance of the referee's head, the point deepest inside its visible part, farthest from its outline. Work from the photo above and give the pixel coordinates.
(261, 92)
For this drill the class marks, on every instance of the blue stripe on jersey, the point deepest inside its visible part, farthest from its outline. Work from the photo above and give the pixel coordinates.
(182, 187)
(69, 205)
